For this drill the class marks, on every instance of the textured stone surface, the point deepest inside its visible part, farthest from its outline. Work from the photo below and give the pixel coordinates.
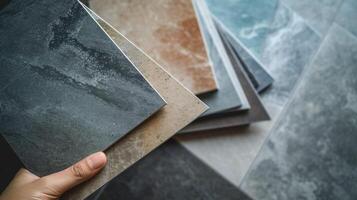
(65, 90)
(319, 14)
(347, 16)
(170, 172)
(182, 108)
(311, 154)
(276, 36)
(167, 30)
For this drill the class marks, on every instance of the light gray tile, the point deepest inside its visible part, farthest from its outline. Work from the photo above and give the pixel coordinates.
(347, 16)
(311, 154)
(319, 14)
(76, 93)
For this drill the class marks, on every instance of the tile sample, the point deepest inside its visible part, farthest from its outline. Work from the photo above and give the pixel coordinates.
(226, 97)
(169, 172)
(347, 16)
(273, 34)
(167, 30)
(234, 117)
(182, 108)
(319, 14)
(311, 153)
(77, 92)
(259, 77)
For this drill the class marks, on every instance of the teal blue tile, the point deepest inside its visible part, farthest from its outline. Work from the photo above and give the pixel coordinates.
(277, 37)
(311, 154)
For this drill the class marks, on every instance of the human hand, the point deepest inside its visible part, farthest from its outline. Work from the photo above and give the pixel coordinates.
(27, 186)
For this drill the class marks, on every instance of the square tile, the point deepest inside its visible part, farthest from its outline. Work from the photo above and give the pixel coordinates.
(77, 94)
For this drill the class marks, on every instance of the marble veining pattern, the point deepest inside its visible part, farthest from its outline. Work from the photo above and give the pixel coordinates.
(311, 154)
(167, 30)
(319, 14)
(66, 89)
(276, 36)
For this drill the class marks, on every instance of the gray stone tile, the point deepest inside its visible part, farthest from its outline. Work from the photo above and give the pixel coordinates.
(311, 154)
(319, 14)
(169, 172)
(276, 36)
(347, 16)
(77, 93)
(225, 97)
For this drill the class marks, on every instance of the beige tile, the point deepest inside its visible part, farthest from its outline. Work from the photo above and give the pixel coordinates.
(167, 30)
(182, 107)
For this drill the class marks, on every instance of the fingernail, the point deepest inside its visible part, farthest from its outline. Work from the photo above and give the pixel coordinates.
(97, 160)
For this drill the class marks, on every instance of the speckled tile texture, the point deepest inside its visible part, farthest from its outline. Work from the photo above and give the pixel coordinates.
(182, 108)
(167, 31)
(170, 172)
(65, 90)
(311, 154)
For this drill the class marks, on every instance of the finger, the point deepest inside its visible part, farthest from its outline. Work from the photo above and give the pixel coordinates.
(60, 182)
(23, 176)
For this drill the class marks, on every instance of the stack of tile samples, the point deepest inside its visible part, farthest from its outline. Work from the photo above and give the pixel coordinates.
(118, 76)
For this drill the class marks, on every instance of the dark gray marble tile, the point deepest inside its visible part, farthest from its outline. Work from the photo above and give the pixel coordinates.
(319, 14)
(169, 172)
(66, 89)
(274, 35)
(259, 77)
(347, 16)
(311, 154)
(225, 97)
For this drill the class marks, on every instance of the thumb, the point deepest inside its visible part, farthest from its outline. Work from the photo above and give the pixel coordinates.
(58, 183)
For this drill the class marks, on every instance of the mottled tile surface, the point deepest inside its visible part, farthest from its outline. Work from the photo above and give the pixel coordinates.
(226, 97)
(168, 31)
(182, 108)
(170, 172)
(347, 16)
(319, 14)
(68, 90)
(311, 154)
(277, 37)
(259, 77)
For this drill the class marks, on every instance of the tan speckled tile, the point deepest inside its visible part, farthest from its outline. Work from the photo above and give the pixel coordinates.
(182, 108)
(167, 30)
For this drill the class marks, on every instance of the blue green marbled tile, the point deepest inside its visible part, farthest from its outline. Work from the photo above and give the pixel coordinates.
(347, 16)
(319, 14)
(66, 89)
(311, 154)
(276, 36)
